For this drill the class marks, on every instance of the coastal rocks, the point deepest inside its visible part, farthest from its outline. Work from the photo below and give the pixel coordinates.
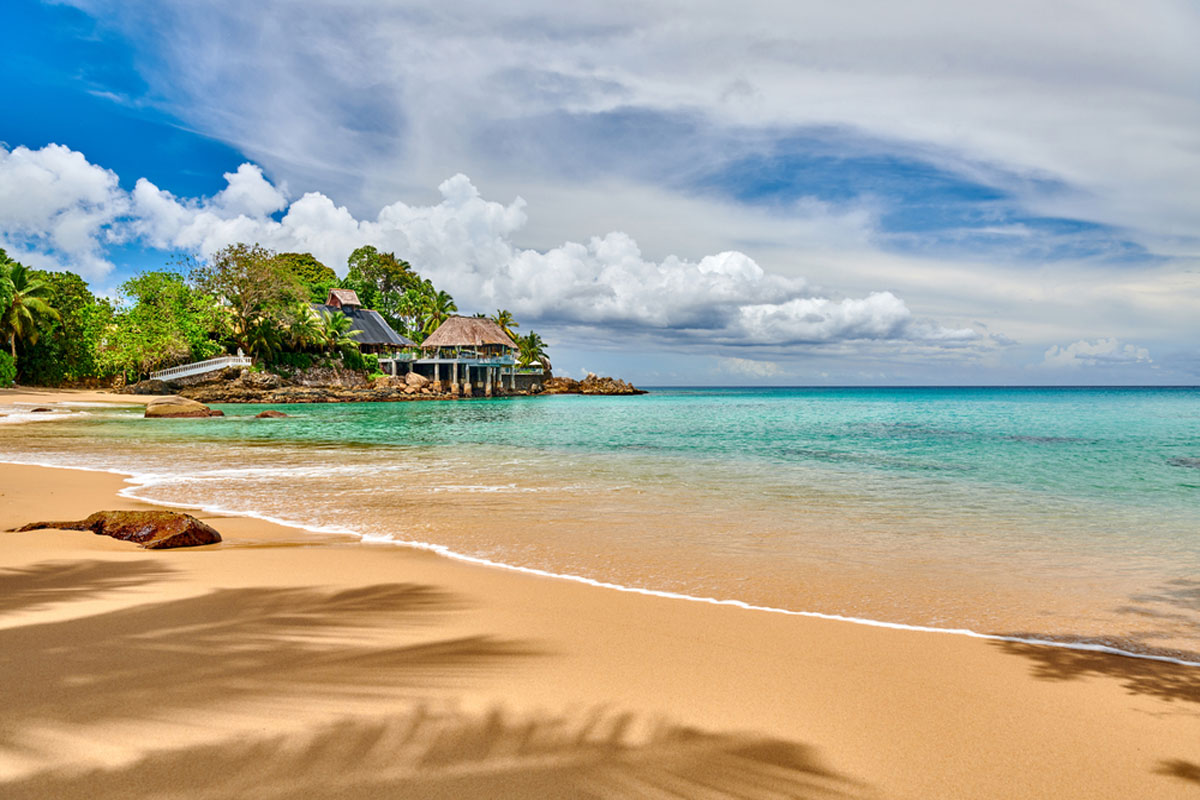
(415, 380)
(589, 385)
(153, 530)
(175, 407)
(259, 380)
(149, 387)
(330, 377)
(40, 410)
(270, 413)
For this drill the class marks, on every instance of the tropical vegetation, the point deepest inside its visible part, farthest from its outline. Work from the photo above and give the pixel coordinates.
(55, 331)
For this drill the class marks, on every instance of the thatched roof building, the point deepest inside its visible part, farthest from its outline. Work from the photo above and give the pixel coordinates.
(473, 332)
(374, 334)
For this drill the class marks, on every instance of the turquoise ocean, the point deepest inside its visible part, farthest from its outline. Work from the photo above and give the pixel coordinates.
(1068, 514)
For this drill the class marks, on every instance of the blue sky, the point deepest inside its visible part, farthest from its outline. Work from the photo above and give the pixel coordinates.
(791, 195)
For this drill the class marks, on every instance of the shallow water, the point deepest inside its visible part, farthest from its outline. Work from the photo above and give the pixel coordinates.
(1068, 513)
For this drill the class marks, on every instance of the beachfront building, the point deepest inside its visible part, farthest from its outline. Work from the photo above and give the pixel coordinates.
(374, 334)
(469, 352)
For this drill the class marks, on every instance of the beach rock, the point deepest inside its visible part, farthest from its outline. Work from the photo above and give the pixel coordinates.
(40, 410)
(174, 406)
(270, 413)
(153, 530)
(419, 381)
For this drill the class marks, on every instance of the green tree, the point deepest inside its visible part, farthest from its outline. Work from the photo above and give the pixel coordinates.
(438, 308)
(381, 280)
(161, 322)
(314, 277)
(255, 286)
(68, 349)
(6, 287)
(29, 310)
(335, 331)
(505, 320)
(531, 350)
(305, 328)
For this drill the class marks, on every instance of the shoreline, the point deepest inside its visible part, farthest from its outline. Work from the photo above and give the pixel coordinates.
(135, 481)
(821, 682)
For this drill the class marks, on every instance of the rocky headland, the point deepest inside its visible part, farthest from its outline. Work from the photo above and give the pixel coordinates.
(338, 385)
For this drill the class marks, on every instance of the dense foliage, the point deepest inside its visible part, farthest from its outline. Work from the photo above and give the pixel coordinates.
(68, 349)
(162, 321)
(54, 331)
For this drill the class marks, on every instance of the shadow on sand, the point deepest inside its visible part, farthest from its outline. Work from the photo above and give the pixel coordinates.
(424, 756)
(271, 645)
(71, 581)
(283, 652)
(1175, 607)
(1178, 768)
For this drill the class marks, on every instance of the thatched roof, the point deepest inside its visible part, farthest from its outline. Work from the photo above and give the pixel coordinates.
(342, 297)
(468, 332)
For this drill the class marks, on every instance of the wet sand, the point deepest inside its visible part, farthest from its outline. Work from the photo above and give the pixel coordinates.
(282, 663)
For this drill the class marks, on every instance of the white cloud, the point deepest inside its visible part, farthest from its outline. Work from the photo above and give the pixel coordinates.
(57, 209)
(750, 368)
(1097, 352)
(465, 244)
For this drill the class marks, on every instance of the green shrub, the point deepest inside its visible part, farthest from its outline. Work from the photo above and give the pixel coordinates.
(376, 375)
(8, 369)
(371, 362)
(352, 359)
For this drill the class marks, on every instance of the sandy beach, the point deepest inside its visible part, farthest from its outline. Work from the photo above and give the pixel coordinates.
(282, 662)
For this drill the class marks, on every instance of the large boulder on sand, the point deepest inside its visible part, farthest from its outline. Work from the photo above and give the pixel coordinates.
(175, 406)
(419, 381)
(153, 530)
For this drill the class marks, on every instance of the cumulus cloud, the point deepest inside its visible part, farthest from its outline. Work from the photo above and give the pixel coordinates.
(1097, 352)
(465, 244)
(57, 209)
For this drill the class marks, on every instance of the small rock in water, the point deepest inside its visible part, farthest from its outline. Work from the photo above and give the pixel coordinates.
(270, 413)
(174, 407)
(40, 410)
(153, 530)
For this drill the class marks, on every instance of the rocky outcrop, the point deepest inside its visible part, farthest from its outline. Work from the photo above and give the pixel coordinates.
(270, 413)
(416, 381)
(174, 407)
(589, 385)
(153, 530)
(149, 387)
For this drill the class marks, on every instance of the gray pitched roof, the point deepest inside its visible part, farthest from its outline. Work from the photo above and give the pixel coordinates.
(373, 329)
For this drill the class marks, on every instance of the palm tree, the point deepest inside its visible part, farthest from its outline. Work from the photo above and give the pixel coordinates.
(264, 339)
(335, 331)
(438, 309)
(530, 349)
(507, 322)
(305, 328)
(28, 312)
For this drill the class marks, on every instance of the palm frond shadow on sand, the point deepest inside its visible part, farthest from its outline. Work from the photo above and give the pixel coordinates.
(1176, 607)
(265, 645)
(421, 756)
(70, 581)
(1178, 768)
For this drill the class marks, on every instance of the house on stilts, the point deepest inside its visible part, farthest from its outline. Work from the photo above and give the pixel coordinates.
(465, 355)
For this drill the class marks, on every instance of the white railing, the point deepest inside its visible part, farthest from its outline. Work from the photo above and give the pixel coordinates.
(200, 367)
